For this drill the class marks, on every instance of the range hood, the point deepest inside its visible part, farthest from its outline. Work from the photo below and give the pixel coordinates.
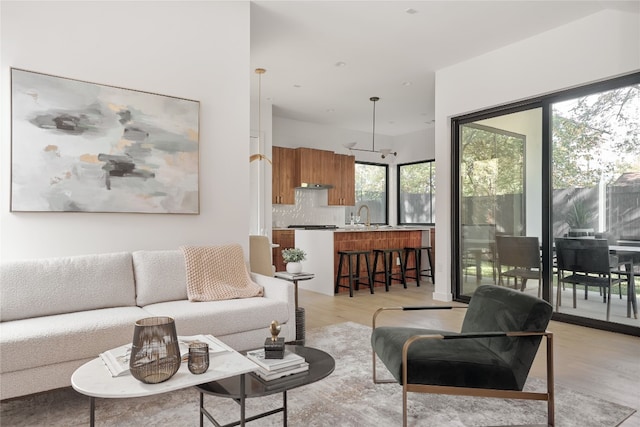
(313, 186)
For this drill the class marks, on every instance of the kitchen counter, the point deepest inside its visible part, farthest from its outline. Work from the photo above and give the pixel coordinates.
(322, 246)
(350, 229)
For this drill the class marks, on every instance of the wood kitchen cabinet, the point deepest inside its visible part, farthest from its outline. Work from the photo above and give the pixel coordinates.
(343, 179)
(295, 167)
(313, 166)
(286, 239)
(283, 176)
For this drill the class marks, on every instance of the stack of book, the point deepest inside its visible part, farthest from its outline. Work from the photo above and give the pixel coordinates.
(271, 369)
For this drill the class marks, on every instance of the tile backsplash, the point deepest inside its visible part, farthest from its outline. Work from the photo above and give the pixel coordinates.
(310, 208)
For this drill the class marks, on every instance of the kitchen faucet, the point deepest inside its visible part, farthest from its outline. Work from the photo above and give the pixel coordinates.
(368, 223)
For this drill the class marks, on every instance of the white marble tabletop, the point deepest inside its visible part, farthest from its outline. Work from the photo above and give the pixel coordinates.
(93, 378)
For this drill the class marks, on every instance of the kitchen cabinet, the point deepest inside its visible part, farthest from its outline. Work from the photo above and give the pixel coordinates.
(283, 176)
(313, 166)
(343, 181)
(295, 167)
(286, 239)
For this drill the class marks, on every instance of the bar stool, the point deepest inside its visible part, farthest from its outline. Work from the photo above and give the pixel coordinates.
(387, 262)
(417, 256)
(353, 276)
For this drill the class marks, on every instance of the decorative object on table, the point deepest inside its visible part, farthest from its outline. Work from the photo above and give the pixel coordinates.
(293, 257)
(198, 358)
(274, 346)
(155, 353)
(81, 146)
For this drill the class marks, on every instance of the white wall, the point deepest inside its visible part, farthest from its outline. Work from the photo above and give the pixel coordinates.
(597, 47)
(528, 123)
(195, 50)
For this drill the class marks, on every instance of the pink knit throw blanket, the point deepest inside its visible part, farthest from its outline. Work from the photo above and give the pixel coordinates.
(218, 273)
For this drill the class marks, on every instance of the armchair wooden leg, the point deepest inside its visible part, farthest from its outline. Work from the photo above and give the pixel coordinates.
(404, 405)
(550, 382)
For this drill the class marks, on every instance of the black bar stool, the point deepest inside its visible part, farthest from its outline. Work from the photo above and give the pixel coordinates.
(388, 259)
(353, 277)
(417, 256)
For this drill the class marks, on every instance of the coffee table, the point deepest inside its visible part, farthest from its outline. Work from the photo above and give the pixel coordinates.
(321, 364)
(94, 380)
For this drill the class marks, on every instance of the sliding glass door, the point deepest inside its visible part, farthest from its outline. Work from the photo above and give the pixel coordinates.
(499, 180)
(596, 192)
(565, 165)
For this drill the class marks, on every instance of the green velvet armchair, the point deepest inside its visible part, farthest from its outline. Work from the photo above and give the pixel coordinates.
(490, 357)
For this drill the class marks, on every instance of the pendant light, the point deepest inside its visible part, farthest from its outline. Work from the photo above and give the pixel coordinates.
(385, 152)
(259, 156)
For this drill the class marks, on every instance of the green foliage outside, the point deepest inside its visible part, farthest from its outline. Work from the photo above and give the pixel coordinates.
(492, 162)
(597, 136)
(417, 178)
(370, 182)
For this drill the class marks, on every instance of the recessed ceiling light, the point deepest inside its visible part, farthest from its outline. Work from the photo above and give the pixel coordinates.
(411, 11)
(340, 64)
(406, 83)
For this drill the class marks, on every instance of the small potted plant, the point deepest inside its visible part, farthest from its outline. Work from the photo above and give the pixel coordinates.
(293, 257)
(579, 218)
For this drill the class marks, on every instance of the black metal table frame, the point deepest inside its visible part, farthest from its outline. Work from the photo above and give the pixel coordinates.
(242, 402)
(321, 364)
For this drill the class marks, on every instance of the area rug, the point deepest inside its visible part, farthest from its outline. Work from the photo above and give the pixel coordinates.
(347, 398)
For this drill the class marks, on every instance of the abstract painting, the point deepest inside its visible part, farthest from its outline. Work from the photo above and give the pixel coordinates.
(84, 147)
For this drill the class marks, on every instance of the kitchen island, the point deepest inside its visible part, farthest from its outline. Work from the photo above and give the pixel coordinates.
(322, 248)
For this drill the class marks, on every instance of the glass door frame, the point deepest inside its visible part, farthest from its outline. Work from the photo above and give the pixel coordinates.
(545, 103)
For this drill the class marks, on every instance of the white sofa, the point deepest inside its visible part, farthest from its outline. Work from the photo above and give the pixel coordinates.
(58, 313)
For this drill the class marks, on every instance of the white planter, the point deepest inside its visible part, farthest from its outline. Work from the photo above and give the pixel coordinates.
(294, 267)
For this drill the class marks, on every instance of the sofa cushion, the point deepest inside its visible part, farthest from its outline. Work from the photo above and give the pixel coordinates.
(160, 276)
(43, 287)
(42, 341)
(218, 273)
(222, 317)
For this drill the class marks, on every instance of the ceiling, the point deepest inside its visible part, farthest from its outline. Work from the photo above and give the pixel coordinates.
(325, 59)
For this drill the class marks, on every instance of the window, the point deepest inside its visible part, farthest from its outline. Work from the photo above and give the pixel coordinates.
(371, 190)
(417, 193)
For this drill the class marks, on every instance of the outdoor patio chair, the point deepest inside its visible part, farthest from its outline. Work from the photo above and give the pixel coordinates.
(588, 263)
(521, 256)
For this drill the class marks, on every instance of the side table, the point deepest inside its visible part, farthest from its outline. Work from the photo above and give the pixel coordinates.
(295, 277)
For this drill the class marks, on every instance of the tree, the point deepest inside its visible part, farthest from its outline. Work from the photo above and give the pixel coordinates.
(596, 137)
(493, 162)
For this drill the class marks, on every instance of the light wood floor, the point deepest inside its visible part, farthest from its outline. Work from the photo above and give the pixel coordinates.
(602, 364)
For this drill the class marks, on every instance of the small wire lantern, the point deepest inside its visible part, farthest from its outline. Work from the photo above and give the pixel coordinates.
(155, 353)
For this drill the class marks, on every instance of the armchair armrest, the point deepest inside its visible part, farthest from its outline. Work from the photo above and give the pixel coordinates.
(412, 308)
(496, 393)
